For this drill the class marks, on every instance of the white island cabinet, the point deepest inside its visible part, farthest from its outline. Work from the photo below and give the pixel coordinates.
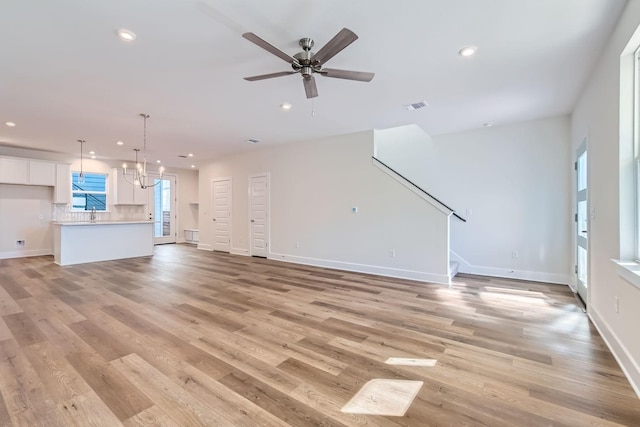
(80, 242)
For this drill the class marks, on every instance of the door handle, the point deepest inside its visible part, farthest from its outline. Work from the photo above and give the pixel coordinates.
(214, 219)
(252, 221)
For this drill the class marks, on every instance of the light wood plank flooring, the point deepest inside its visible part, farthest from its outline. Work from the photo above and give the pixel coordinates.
(189, 338)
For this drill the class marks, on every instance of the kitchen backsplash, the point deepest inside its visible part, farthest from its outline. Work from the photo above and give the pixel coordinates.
(117, 213)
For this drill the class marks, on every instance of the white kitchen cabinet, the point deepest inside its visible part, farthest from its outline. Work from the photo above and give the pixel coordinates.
(42, 173)
(125, 193)
(14, 170)
(62, 192)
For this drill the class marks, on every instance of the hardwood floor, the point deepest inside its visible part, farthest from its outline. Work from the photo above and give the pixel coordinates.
(189, 338)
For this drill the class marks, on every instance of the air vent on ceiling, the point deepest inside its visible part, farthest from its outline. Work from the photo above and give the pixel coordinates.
(416, 105)
(182, 156)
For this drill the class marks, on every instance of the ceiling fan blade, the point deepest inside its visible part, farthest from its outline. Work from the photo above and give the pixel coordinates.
(269, 48)
(346, 74)
(341, 40)
(269, 76)
(310, 86)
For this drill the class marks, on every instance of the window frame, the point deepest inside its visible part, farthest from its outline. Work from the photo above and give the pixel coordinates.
(105, 192)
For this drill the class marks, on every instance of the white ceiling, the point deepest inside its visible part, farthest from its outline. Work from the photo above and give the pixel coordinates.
(65, 75)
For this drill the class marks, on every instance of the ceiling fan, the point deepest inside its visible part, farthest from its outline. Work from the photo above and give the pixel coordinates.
(308, 63)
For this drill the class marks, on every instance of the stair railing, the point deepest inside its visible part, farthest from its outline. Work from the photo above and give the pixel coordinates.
(417, 187)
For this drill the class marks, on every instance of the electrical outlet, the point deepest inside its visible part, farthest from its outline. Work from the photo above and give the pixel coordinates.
(20, 243)
(392, 253)
(297, 244)
(617, 305)
(515, 255)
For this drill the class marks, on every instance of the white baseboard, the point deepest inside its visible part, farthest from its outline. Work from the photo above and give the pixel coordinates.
(363, 268)
(236, 251)
(629, 366)
(205, 246)
(535, 276)
(26, 253)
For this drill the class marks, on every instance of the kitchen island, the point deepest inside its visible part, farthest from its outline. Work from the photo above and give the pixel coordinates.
(78, 242)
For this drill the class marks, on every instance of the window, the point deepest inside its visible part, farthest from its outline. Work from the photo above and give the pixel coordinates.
(92, 193)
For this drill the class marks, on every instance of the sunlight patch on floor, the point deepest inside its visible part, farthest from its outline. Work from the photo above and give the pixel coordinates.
(405, 361)
(383, 397)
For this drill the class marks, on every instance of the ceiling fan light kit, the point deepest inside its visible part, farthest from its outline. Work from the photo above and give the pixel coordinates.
(307, 63)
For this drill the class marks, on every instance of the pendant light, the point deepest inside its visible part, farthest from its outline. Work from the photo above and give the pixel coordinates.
(81, 176)
(140, 176)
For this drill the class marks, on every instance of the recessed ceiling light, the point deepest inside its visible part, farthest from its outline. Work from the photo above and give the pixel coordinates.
(10, 124)
(190, 155)
(488, 124)
(93, 156)
(158, 161)
(193, 166)
(92, 152)
(126, 35)
(252, 141)
(467, 51)
(286, 106)
(119, 142)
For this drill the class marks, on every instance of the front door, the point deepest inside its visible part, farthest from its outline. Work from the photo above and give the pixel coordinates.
(582, 222)
(221, 188)
(259, 221)
(162, 208)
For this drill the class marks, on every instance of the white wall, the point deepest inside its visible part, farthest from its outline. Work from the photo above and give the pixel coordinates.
(314, 186)
(597, 117)
(25, 214)
(511, 183)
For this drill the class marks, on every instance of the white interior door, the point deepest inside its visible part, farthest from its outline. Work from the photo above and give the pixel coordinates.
(221, 189)
(161, 206)
(582, 222)
(259, 221)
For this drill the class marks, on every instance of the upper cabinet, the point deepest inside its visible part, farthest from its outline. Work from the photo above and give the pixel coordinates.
(124, 192)
(14, 170)
(42, 173)
(62, 192)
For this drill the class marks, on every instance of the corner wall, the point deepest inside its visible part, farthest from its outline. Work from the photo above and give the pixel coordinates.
(313, 187)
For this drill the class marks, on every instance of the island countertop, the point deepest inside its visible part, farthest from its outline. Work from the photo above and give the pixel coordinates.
(77, 242)
(65, 223)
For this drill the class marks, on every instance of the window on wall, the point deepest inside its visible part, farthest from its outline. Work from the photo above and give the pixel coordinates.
(89, 193)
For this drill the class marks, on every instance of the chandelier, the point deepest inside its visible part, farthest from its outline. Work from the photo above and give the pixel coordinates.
(140, 176)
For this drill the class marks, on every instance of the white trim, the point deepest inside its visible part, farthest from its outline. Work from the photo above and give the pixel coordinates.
(236, 251)
(629, 271)
(363, 268)
(410, 187)
(205, 247)
(25, 253)
(536, 276)
(629, 366)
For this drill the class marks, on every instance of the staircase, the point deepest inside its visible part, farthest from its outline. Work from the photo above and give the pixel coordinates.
(395, 153)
